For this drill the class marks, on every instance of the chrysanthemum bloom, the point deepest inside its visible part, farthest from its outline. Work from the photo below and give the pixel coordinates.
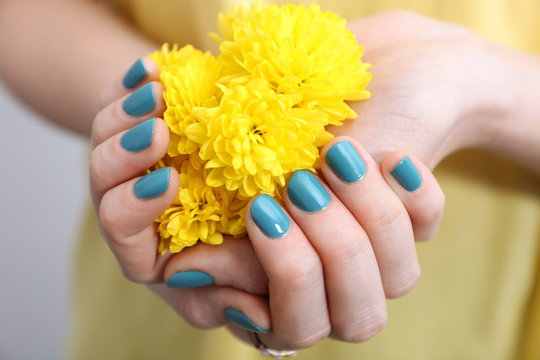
(199, 212)
(299, 51)
(254, 138)
(189, 77)
(243, 122)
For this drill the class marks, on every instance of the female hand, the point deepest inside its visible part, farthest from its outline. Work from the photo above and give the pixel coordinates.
(438, 87)
(342, 246)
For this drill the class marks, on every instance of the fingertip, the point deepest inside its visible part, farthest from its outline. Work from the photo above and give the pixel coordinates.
(345, 157)
(268, 216)
(162, 134)
(142, 70)
(137, 74)
(403, 171)
(151, 68)
(419, 191)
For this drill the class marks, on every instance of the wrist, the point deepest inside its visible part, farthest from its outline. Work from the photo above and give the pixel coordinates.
(484, 97)
(500, 108)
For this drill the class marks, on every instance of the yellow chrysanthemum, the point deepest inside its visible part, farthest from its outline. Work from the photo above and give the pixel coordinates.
(199, 212)
(254, 138)
(299, 51)
(243, 122)
(189, 77)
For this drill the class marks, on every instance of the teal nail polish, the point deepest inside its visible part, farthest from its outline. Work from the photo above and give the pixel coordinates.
(306, 192)
(346, 162)
(239, 319)
(139, 137)
(190, 279)
(407, 175)
(153, 184)
(141, 102)
(269, 216)
(134, 76)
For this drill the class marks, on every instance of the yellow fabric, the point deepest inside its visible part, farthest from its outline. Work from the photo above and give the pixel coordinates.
(479, 295)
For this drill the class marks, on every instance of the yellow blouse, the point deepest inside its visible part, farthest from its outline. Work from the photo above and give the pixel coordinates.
(479, 295)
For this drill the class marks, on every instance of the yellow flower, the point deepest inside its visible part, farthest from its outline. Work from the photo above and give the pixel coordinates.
(242, 123)
(299, 51)
(189, 78)
(254, 138)
(199, 212)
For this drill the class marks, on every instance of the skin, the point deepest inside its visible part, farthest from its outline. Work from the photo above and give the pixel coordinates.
(430, 98)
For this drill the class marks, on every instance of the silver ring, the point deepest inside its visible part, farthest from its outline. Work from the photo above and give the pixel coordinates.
(265, 351)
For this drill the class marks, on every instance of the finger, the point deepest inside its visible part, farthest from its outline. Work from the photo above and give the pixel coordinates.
(418, 190)
(142, 71)
(122, 114)
(296, 284)
(233, 263)
(126, 215)
(353, 285)
(356, 179)
(127, 155)
(213, 306)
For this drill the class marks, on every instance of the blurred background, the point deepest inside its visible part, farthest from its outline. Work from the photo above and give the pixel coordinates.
(43, 190)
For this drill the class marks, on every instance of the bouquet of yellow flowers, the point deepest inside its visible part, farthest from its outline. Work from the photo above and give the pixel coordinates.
(243, 122)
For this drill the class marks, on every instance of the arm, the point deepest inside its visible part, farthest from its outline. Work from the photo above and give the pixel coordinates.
(49, 48)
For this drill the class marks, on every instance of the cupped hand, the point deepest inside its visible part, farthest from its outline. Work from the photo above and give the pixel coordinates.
(321, 266)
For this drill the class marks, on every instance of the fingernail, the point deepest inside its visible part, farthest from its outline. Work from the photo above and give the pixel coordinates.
(139, 137)
(239, 319)
(346, 162)
(306, 192)
(189, 279)
(153, 184)
(407, 175)
(141, 102)
(134, 76)
(269, 216)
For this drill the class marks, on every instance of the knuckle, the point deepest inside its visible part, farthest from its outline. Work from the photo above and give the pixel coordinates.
(389, 221)
(132, 276)
(352, 246)
(108, 216)
(305, 340)
(440, 202)
(137, 267)
(299, 274)
(404, 284)
(431, 209)
(96, 132)
(96, 168)
(364, 330)
(194, 313)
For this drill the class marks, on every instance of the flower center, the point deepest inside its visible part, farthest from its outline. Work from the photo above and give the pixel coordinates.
(256, 134)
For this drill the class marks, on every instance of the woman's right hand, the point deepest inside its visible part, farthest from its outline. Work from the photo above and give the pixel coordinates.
(322, 266)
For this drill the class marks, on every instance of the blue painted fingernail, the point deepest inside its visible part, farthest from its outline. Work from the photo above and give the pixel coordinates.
(239, 319)
(141, 102)
(306, 192)
(407, 175)
(139, 137)
(190, 279)
(346, 162)
(269, 216)
(134, 76)
(153, 184)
